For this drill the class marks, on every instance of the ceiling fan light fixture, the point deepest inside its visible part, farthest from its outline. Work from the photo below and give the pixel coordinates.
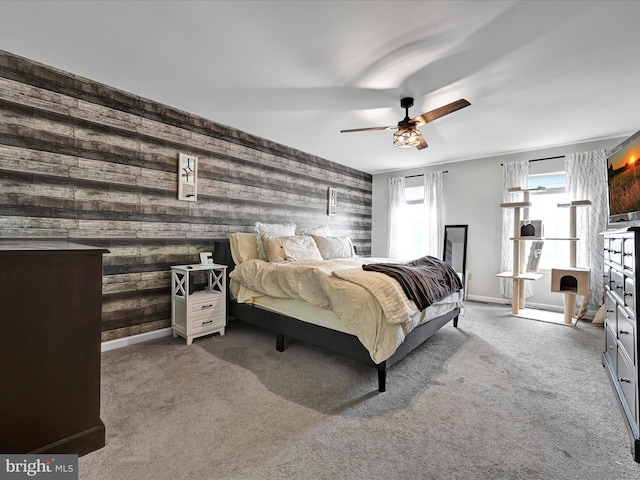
(407, 134)
(406, 137)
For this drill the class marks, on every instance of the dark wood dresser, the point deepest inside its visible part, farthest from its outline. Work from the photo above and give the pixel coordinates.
(620, 356)
(50, 315)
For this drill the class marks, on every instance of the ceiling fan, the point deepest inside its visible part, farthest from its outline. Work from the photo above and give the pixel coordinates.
(407, 133)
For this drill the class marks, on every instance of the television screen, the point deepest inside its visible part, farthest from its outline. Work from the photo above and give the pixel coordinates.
(623, 178)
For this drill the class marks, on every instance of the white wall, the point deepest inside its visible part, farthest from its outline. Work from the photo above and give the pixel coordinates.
(472, 196)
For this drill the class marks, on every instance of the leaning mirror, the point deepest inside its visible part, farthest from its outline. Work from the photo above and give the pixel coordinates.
(455, 249)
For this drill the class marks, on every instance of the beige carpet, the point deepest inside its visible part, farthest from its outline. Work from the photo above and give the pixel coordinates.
(498, 398)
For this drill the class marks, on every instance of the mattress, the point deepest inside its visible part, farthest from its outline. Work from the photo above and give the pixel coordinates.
(302, 311)
(325, 318)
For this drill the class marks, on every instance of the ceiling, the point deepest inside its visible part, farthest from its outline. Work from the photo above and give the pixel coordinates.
(537, 74)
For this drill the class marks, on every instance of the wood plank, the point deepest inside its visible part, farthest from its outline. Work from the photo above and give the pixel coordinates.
(86, 162)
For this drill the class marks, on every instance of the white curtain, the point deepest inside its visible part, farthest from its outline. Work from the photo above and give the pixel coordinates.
(434, 234)
(514, 174)
(396, 221)
(587, 180)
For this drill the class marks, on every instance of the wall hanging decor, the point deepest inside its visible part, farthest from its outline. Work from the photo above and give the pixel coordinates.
(187, 177)
(332, 201)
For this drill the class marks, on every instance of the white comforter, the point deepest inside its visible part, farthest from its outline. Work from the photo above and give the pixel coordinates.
(371, 305)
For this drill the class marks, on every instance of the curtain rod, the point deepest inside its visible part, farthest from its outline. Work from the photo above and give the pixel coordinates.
(541, 159)
(546, 158)
(422, 174)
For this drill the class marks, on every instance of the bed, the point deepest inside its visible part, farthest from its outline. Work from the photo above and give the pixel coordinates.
(334, 310)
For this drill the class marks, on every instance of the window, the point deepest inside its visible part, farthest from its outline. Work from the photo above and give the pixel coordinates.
(415, 218)
(555, 220)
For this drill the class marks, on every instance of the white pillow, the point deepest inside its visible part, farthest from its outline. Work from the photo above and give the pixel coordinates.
(243, 247)
(334, 247)
(300, 248)
(296, 248)
(273, 230)
(322, 230)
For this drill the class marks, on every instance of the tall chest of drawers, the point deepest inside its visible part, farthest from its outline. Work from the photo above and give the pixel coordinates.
(50, 321)
(621, 354)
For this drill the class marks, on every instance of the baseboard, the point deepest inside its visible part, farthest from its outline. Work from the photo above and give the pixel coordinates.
(133, 339)
(591, 312)
(481, 299)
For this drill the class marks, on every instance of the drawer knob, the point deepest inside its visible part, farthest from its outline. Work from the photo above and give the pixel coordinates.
(619, 287)
(208, 321)
(610, 311)
(204, 307)
(628, 294)
(624, 380)
(628, 254)
(623, 332)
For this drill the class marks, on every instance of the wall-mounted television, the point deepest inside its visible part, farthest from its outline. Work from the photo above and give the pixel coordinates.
(623, 179)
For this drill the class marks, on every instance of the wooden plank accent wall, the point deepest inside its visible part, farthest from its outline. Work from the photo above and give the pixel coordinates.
(85, 162)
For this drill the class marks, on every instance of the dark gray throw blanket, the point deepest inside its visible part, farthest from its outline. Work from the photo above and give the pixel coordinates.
(425, 280)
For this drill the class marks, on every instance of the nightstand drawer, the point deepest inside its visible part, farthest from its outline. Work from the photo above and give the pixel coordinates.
(205, 306)
(212, 321)
(626, 377)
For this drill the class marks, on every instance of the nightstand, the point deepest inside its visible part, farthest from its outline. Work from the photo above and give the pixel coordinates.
(198, 300)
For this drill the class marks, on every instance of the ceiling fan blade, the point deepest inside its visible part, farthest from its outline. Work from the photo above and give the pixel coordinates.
(439, 112)
(369, 128)
(422, 144)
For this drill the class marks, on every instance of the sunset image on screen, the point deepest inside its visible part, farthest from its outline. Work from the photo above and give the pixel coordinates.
(624, 179)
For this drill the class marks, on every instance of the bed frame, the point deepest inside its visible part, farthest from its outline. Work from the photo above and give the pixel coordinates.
(338, 342)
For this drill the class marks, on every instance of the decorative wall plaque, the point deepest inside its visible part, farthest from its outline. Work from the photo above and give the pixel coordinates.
(187, 178)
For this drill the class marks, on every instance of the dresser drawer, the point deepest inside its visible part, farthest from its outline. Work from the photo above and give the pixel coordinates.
(611, 346)
(629, 292)
(628, 258)
(626, 377)
(606, 275)
(615, 250)
(607, 247)
(610, 310)
(617, 283)
(626, 334)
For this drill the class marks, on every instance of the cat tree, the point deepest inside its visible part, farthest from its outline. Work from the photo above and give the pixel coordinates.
(570, 281)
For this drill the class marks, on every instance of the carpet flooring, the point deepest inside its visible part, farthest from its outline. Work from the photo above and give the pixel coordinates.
(497, 398)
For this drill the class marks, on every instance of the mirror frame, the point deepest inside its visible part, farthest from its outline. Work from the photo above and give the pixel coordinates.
(464, 249)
